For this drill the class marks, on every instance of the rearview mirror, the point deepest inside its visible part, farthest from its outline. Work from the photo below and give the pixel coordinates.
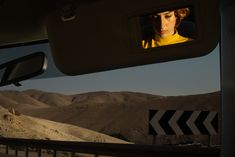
(22, 68)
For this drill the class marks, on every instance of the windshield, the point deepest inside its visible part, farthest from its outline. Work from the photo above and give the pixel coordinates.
(116, 106)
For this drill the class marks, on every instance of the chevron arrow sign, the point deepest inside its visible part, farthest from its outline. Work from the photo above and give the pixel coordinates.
(178, 122)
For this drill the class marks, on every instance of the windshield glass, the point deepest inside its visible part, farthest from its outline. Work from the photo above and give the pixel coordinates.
(117, 106)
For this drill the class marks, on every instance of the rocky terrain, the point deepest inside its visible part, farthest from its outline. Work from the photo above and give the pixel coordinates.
(16, 125)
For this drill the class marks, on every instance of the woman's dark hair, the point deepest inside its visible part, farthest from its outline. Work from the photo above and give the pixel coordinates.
(180, 14)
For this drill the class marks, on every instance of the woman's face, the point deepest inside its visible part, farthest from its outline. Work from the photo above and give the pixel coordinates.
(164, 23)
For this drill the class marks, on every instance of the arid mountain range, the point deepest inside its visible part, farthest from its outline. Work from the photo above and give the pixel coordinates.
(123, 115)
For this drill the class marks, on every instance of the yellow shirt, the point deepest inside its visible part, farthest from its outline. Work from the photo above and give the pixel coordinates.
(157, 41)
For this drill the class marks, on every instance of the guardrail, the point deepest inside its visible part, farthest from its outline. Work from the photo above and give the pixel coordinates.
(107, 149)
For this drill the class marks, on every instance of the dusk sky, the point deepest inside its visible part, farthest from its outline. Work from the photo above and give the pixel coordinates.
(182, 77)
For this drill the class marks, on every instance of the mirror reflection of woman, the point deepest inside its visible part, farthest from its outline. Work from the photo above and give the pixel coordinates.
(165, 26)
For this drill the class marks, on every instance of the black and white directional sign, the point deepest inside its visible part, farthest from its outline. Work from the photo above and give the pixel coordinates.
(178, 122)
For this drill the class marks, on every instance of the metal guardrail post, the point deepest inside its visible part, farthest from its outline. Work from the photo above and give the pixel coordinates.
(26, 151)
(16, 151)
(7, 149)
(54, 153)
(72, 154)
(39, 152)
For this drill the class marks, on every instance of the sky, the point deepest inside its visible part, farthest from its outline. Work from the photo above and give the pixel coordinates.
(181, 77)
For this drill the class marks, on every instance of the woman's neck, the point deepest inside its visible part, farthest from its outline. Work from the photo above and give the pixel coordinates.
(167, 38)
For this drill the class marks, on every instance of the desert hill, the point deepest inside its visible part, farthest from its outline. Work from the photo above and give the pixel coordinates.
(120, 114)
(21, 126)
